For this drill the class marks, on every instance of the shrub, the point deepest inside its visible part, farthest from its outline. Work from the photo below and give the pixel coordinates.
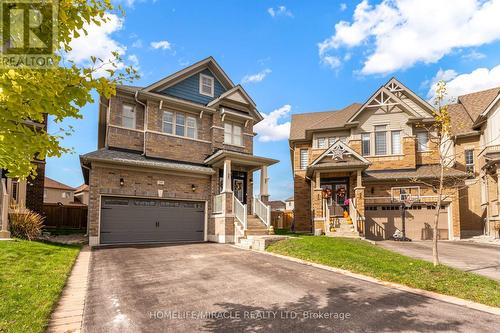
(25, 223)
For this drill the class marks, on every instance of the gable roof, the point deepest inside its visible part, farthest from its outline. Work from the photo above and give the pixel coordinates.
(320, 120)
(477, 102)
(461, 122)
(178, 76)
(51, 183)
(338, 144)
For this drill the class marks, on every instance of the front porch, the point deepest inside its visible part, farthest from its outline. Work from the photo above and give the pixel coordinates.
(236, 213)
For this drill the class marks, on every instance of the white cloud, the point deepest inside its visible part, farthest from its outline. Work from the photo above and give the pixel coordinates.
(280, 11)
(162, 44)
(343, 6)
(474, 55)
(134, 60)
(253, 78)
(331, 61)
(137, 43)
(460, 84)
(401, 33)
(270, 129)
(98, 43)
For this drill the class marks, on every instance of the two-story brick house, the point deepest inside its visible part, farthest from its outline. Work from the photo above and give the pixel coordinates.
(175, 162)
(364, 159)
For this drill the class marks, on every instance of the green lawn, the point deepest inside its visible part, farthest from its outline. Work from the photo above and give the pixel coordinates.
(32, 275)
(362, 257)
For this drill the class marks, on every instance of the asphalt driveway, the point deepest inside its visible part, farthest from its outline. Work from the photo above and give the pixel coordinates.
(471, 257)
(219, 288)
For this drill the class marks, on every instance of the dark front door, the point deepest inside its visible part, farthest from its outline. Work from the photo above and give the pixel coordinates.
(339, 188)
(238, 184)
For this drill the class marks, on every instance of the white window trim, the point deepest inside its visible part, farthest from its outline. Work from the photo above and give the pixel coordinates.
(174, 124)
(232, 135)
(427, 146)
(134, 118)
(203, 76)
(473, 164)
(369, 135)
(385, 131)
(400, 143)
(303, 167)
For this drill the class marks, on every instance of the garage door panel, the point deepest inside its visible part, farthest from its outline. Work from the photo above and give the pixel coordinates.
(136, 220)
(385, 220)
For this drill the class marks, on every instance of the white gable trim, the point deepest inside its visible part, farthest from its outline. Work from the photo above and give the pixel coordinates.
(384, 90)
(425, 105)
(344, 146)
(492, 104)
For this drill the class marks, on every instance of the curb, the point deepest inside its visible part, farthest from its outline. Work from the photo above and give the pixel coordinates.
(420, 292)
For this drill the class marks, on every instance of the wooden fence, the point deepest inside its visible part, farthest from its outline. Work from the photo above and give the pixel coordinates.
(281, 220)
(65, 216)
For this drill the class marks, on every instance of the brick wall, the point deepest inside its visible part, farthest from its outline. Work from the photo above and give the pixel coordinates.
(34, 190)
(176, 148)
(125, 139)
(302, 193)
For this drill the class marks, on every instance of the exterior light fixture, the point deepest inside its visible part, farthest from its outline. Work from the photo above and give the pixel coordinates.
(193, 187)
(122, 182)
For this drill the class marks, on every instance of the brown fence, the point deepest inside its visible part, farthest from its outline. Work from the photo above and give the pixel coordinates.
(281, 220)
(65, 217)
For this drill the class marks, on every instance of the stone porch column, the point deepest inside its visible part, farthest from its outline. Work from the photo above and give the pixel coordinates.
(317, 203)
(359, 195)
(227, 188)
(264, 185)
(4, 211)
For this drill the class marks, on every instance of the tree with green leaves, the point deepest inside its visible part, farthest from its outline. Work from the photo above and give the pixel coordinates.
(29, 95)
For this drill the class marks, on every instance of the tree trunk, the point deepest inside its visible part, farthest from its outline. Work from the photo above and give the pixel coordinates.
(435, 257)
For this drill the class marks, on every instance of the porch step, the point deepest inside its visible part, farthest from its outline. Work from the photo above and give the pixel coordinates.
(259, 243)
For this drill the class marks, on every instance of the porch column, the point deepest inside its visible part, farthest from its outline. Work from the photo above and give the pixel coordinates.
(4, 210)
(21, 196)
(358, 179)
(264, 186)
(318, 205)
(226, 181)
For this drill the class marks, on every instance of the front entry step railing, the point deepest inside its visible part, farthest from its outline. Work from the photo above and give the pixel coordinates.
(262, 211)
(240, 212)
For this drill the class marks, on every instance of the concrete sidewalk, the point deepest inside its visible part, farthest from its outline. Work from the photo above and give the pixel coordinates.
(470, 257)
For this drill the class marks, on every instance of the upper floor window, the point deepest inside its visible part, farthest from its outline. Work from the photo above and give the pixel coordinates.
(322, 142)
(128, 116)
(184, 125)
(206, 85)
(469, 163)
(233, 134)
(66, 194)
(396, 142)
(380, 140)
(422, 141)
(365, 144)
(304, 158)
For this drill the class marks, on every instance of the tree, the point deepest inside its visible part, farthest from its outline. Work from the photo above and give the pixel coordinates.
(29, 95)
(440, 137)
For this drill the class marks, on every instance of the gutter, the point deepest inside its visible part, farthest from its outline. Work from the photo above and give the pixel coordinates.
(145, 122)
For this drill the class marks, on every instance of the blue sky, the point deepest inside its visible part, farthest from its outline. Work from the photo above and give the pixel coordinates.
(296, 57)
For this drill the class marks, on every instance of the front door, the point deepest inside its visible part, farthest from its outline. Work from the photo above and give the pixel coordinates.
(339, 188)
(238, 189)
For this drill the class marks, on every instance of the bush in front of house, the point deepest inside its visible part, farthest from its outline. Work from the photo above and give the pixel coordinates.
(25, 223)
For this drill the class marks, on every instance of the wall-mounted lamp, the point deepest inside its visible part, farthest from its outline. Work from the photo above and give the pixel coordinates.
(372, 190)
(122, 182)
(193, 187)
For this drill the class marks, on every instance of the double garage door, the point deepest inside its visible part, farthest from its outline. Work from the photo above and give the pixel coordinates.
(383, 220)
(137, 220)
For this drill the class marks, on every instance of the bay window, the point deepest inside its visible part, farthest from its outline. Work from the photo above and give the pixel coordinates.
(365, 144)
(233, 134)
(396, 142)
(422, 141)
(380, 140)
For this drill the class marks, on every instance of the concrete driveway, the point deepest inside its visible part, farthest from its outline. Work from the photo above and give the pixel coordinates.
(168, 289)
(471, 257)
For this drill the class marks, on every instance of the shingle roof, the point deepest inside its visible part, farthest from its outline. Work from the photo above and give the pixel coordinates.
(421, 172)
(320, 120)
(461, 123)
(51, 183)
(276, 204)
(136, 159)
(290, 199)
(475, 103)
(82, 188)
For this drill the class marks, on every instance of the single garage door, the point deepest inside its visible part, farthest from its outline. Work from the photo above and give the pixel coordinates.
(136, 220)
(383, 220)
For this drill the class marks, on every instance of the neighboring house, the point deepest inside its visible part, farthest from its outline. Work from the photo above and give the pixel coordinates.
(481, 158)
(373, 154)
(289, 204)
(57, 192)
(82, 194)
(26, 193)
(175, 162)
(277, 205)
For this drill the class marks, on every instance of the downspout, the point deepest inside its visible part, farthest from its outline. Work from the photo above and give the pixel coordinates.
(145, 122)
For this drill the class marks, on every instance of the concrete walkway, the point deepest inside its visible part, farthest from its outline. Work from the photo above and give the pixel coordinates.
(470, 257)
(68, 315)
